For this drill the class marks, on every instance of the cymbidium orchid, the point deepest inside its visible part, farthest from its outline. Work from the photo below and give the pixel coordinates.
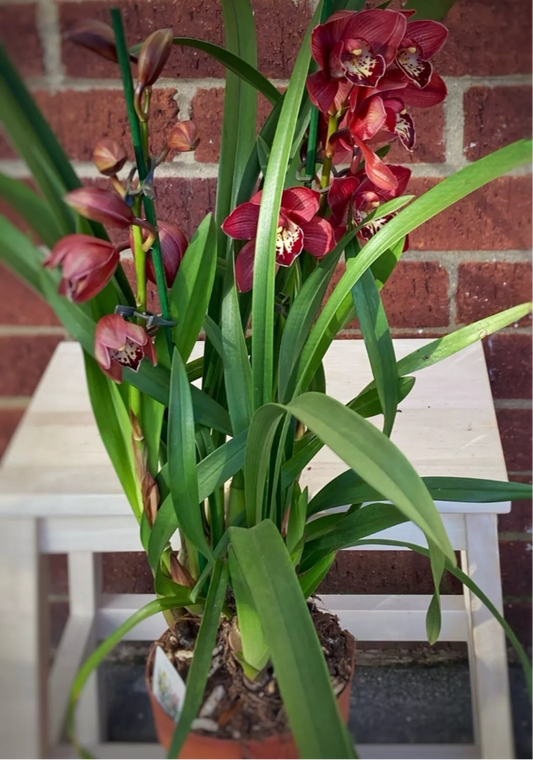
(119, 344)
(87, 264)
(109, 156)
(173, 246)
(299, 228)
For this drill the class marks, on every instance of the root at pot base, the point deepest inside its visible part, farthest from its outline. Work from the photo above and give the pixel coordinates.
(240, 718)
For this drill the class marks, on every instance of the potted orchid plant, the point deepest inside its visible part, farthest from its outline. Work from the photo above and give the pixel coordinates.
(211, 449)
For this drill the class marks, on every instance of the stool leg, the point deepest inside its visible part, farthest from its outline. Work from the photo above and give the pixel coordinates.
(486, 646)
(84, 569)
(25, 641)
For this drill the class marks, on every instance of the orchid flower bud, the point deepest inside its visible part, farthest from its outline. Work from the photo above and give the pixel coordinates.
(173, 246)
(152, 59)
(183, 137)
(95, 36)
(150, 498)
(107, 208)
(109, 156)
(87, 263)
(119, 344)
(179, 573)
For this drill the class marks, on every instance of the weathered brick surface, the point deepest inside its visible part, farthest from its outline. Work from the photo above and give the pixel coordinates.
(126, 573)
(487, 38)
(494, 117)
(429, 146)
(518, 615)
(9, 419)
(379, 572)
(185, 201)
(19, 34)
(515, 432)
(486, 288)
(23, 359)
(515, 558)
(417, 295)
(519, 519)
(280, 26)
(494, 218)
(21, 306)
(509, 364)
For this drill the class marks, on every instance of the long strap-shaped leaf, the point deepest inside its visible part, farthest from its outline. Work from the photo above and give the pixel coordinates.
(292, 641)
(440, 197)
(203, 653)
(265, 251)
(211, 472)
(35, 211)
(358, 443)
(182, 457)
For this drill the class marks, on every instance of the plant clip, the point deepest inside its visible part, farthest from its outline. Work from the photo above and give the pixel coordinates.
(153, 321)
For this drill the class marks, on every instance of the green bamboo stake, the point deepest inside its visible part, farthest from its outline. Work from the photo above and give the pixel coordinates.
(310, 161)
(140, 158)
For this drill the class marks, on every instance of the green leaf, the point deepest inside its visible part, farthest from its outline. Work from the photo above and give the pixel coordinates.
(292, 641)
(378, 343)
(440, 197)
(373, 456)
(32, 208)
(257, 460)
(191, 290)
(22, 256)
(311, 580)
(115, 430)
(366, 404)
(211, 472)
(264, 268)
(182, 457)
(203, 654)
(429, 9)
(448, 345)
(474, 588)
(297, 518)
(254, 648)
(152, 413)
(301, 316)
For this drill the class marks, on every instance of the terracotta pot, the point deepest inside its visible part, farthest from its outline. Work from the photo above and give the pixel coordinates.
(201, 746)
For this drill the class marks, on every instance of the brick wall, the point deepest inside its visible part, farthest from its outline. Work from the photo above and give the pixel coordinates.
(469, 262)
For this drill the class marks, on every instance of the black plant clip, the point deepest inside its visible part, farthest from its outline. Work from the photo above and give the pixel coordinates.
(153, 321)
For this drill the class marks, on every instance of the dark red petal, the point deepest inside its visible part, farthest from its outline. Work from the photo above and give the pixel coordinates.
(136, 333)
(340, 193)
(405, 129)
(393, 79)
(130, 356)
(244, 267)
(300, 203)
(403, 175)
(319, 237)
(388, 50)
(368, 119)
(376, 26)
(289, 243)
(376, 170)
(241, 224)
(430, 35)
(431, 95)
(343, 91)
(361, 65)
(335, 69)
(411, 61)
(111, 331)
(93, 283)
(322, 90)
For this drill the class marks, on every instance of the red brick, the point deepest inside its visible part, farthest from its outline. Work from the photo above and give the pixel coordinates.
(494, 218)
(185, 201)
(429, 146)
(207, 108)
(518, 615)
(485, 288)
(126, 573)
(23, 359)
(494, 117)
(58, 573)
(416, 295)
(515, 559)
(509, 363)
(515, 432)
(19, 34)
(9, 419)
(21, 306)
(79, 119)
(380, 572)
(519, 519)
(280, 26)
(487, 38)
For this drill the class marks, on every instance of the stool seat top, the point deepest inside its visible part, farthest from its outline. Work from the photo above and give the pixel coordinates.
(56, 463)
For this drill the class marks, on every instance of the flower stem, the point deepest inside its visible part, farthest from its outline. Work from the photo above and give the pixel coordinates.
(139, 255)
(329, 150)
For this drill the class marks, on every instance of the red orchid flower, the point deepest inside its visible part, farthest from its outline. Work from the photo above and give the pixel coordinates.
(352, 48)
(298, 228)
(87, 263)
(173, 246)
(422, 40)
(119, 344)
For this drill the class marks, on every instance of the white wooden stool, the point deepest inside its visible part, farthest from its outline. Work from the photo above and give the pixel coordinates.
(59, 494)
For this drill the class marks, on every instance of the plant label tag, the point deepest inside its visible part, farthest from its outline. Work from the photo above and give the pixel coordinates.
(167, 684)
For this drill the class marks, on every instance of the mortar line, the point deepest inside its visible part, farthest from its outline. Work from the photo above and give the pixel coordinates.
(32, 330)
(512, 403)
(14, 402)
(47, 19)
